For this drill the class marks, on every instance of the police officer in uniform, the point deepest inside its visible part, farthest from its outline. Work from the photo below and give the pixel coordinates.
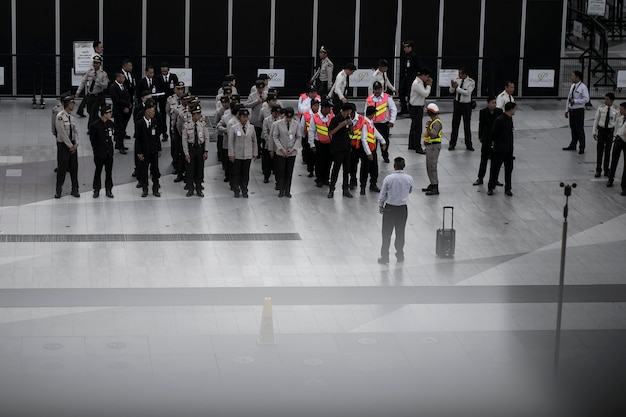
(242, 150)
(410, 65)
(179, 117)
(67, 143)
(267, 163)
(55, 111)
(194, 137)
(101, 137)
(285, 135)
(172, 106)
(148, 148)
(94, 82)
(323, 77)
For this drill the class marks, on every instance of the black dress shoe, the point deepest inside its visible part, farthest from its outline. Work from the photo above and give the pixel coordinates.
(623, 193)
(331, 194)
(144, 193)
(276, 187)
(508, 192)
(281, 194)
(126, 137)
(311, 175)
(386, 160)
(56, 169)
(110, 194)
(400, 258)
(490, 191)
(347, 193)
(499, 184)
(470, 149)
(582, 151)
(569, 148)
(288, 195)
(96, 193)
(226, 179)
(125, 148)
(426, 189)
(75, 194)
(319, 184)
(450, 148)
(189, 193)
(138, 185)
(362, 191)
(134, 174)
(609, 183)
(200, 193)
(598, 174)
(374, 188)
(478, 182)
(266, 180)
(237, 194)
(164, 140)
(179, 178)
(244, 194)
(420, 151)
(156, 193)
(383, 261)
(122, 151)
(57, 195)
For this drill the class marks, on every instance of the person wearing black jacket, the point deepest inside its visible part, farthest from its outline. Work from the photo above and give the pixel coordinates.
(410, 64)
(122, 107)
(339, 130)
(486, 117)
(148, 149)
(165, 84)
(101, 138)
(130, 83)
(502, 139)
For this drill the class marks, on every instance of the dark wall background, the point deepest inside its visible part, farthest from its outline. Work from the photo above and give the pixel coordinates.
(208, 34)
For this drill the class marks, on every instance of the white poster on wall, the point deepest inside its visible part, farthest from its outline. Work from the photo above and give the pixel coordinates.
(621, 79)
(596, 7)
(277, 76)
(541, 78)
(577, 30)
(361, 78)
(446, 76)
(83, 56)
(184, 74)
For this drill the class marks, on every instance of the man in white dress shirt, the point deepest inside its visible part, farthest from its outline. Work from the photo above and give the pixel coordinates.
(603, 128)
(340, 87)
(420, 89)
(575, 111)
(380, 75)
(506, 95)
(462, 89)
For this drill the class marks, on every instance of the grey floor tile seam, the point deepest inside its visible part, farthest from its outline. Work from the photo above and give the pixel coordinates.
(148, 237)
(499, 294)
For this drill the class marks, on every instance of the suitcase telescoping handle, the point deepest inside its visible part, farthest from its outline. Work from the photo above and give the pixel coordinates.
(451, 216)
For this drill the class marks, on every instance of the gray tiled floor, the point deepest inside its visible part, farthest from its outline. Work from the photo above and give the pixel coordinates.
(158, 324)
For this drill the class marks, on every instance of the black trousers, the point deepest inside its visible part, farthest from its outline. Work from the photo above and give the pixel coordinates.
(240, 175)
(497, 159)
(618, 148)
(284, 172)
(118, 125)
(66, 161)
(162, 100)
(415, 132)
(267, 164)
(340, 158)
(461, 110)
(93, 104)
(485, 154)
(227, 166)
(323, 161)
(126, 119)
(577, 126)
(220, 145)
(150, 162)
(107, 164)
(322, 89)
(405, 92)
(603, 147)
(308, 155)
(337, 103)
(394, 218)
(195, 167)
(355, 156)
(383, 129)
(369, 168)
(178, 156)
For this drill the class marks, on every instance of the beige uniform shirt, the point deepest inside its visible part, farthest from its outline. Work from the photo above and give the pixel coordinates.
(67, 132)
(189, 135)
(286, 139)
(242, 142)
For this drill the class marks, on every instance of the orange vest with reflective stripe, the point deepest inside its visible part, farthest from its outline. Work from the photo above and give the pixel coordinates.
(307, 121)
(381, 107)
(355, 136)
(371, 136)
(304, 96)
(322, 128)
(427, 138)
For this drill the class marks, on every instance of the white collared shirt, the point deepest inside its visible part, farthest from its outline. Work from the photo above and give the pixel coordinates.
(419, 92)
(579, 92)
(600, 118)
(464, 90)
(364, 132)
(502, 99)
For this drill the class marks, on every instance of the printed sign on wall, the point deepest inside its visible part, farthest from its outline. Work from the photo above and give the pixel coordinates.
(184, 74)
(83, 56)
(361, 78)
(446, 76)
(541, 78)
(277, 76)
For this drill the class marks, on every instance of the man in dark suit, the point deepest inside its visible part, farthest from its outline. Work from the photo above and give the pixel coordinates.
(486, 117)
(147, 83)
(130, 83)
(121, 110)
(502, 138)
(165, 84)
(101, 138)
(148, 149)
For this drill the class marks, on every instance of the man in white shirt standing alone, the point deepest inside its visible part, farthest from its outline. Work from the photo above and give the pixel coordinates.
(575, 111)
(462, 89)
(506, 96)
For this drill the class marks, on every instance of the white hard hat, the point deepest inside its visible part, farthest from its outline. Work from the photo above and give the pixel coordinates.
(432, 107)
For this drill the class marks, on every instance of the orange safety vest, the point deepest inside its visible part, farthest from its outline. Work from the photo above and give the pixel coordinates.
(371, 136)
(355, 136)
(322, 128)
(304, 96)
(307, 121)
(427, 138)
(381, 107)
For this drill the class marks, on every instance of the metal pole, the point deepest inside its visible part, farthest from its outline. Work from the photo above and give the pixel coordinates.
(559, 313)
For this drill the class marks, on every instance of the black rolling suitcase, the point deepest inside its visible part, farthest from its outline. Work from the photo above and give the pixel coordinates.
(446, 237)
